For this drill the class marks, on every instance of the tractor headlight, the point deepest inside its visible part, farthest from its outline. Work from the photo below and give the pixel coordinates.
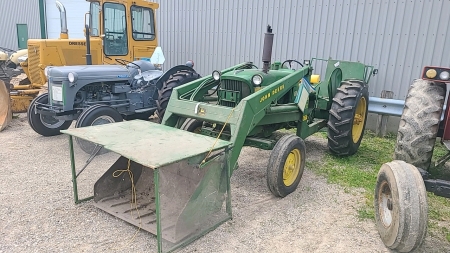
(72, 77)
(257, 80)
(216, 75)
(306, 62)
(444, 75)
(431, 73)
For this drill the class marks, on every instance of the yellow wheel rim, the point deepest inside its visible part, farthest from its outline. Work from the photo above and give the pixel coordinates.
(358, 120)
(291, 167)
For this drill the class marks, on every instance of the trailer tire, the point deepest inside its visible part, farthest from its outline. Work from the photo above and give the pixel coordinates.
(92, 116)
(192, 125)
(43, 124)
(175, 80)
(286, 165)
(401, 210)
(419, 123)
(347, 117)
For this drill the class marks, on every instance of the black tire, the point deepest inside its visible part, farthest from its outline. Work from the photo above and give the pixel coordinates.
(348, 116)
(419, 123)
(96, 115)
(175, 80)
(43, 124)
(401, 209)
(288, 149)
(192, 125)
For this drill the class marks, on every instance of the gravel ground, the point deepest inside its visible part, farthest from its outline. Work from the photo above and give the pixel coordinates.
(37, 213)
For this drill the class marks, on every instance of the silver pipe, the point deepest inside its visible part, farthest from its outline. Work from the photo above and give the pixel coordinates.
(62, 16)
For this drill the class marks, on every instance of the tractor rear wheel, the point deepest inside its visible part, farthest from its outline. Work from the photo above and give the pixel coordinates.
(286, 165)
(419, 123)
(45, 125)
(401, 209)
(348, 116)
(175, 80)
(192, 125)
(93, 116)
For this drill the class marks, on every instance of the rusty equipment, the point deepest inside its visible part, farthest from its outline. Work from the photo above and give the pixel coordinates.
(5, 107)
(401, 208)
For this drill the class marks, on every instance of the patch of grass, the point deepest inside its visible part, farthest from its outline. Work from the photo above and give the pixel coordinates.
(361, 169)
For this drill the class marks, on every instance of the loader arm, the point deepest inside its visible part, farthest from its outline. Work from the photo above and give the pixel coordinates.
(244, 117)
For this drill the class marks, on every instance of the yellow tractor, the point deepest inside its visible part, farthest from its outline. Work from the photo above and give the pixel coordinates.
(120, 30)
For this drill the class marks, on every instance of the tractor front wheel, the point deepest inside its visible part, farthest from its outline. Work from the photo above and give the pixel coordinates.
(45, 125)
(348, 116)
(175, 80)
(93, 116)
(286, 165)
(192, 125)
(419, 123)
(401, 209)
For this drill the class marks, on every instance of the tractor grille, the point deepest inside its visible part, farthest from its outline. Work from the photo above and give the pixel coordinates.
(231, 92)
(33, 63)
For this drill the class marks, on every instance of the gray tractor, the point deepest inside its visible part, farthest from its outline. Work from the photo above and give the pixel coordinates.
(101, 94)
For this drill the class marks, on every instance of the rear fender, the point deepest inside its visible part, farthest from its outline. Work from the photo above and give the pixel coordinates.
(167, 74)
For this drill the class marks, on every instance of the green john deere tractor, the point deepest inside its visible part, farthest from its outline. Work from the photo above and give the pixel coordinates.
(189, 158)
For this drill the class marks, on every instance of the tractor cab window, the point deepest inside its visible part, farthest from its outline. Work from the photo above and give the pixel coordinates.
(143, 23)
(94, 23)
(115, 29)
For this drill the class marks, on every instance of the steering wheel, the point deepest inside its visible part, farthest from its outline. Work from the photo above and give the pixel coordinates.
(290, 63)
(125, 62)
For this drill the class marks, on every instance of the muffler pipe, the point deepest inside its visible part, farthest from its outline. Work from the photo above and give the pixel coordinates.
(88, 46)
(267, 49)
(63, 19)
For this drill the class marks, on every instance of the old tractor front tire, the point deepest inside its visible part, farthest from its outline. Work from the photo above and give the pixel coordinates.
(348, 116)
(93, 116)
(45, 125)
(401, 210)
(419, 123)
(286, 165)
(175, 80)
(192, 125)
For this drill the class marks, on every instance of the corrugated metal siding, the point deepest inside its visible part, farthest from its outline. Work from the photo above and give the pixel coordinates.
(18, 12)
(397, 37)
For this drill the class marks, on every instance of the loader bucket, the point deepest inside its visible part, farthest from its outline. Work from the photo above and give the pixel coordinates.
(5, 107)
(162, 183)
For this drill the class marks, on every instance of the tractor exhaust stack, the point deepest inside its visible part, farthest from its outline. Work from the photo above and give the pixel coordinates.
(63, 18)
(88, 46)
(267, 49)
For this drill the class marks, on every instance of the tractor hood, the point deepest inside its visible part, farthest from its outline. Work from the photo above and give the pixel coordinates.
(89, 72)
(267, 78)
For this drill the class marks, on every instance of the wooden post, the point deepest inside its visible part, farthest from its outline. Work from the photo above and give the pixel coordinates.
(382, 120)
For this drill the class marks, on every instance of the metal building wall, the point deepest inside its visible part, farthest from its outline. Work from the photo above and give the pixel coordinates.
(18, 12)
(396, 36)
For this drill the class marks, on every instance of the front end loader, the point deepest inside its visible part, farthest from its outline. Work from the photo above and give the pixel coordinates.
(8, 61)
(5, 107)
(182, 167)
